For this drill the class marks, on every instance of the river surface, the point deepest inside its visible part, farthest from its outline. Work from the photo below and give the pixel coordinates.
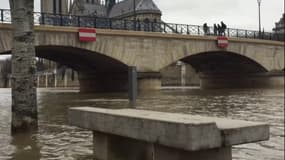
(55, 140)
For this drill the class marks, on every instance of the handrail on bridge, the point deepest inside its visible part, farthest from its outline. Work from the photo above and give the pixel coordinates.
(41, 18)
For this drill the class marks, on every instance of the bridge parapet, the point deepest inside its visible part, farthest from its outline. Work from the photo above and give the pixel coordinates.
(41, 18)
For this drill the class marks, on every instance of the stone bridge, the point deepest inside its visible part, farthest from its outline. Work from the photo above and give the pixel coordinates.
(103, 65)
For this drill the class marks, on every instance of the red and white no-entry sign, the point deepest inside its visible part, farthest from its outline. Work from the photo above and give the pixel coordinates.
(223, 42)
(87, 34)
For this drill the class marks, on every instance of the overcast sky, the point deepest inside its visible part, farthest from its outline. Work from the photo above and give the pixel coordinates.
(235, 13)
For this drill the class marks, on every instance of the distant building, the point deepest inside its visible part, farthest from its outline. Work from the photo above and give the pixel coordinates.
(124, 9)
(54, 6)
(143, 10)
(280, 26)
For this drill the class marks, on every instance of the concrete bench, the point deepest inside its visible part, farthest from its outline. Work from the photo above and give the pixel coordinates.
(129, 134)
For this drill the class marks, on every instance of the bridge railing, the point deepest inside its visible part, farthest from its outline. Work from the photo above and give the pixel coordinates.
(135, 25)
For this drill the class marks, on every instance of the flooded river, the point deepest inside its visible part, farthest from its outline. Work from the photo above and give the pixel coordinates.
(55, 140)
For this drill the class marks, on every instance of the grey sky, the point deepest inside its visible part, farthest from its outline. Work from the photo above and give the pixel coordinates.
(235, 13)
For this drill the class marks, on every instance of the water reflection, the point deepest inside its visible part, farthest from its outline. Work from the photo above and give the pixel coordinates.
(26, 146)
(57, 140)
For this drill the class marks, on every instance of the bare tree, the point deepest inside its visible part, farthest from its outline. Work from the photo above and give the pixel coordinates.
(24, 96)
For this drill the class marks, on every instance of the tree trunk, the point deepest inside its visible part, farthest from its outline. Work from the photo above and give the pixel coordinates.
(24, 94)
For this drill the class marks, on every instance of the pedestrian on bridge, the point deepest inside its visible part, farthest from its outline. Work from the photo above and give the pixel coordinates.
(215, 29)
(205, 28)
(146, 25)
(223, 28)
(219, 28)
(138, 25)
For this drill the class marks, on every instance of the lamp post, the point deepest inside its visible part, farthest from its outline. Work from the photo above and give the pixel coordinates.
(135, 17)
(259, 2)
(134, 9)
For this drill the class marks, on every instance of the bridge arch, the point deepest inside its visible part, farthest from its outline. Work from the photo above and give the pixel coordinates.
(224, 69)
(97, 72)
(223, 62)
(269, 57)
(78, 59)
(81, 59)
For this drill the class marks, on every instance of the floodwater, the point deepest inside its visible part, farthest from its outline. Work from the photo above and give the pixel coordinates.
(55, 140)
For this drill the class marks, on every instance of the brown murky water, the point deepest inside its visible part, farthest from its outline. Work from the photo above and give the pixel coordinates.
(55, 140)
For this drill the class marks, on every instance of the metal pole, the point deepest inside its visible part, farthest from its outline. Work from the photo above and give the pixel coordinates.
(46, 80)
(43, 18)
(2, 15)
(134, 10)
(134, 7)
(42, 7)
(132, 74)
(259, 2)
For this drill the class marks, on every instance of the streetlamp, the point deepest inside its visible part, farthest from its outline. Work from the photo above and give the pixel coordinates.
(135, 17)
(259, 2)
(134, 6)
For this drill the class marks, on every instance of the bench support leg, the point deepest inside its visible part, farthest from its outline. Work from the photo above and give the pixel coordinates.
(112, 147)
(167, 153)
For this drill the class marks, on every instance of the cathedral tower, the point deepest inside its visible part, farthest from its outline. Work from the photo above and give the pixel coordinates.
(54, 6)
(110, 4)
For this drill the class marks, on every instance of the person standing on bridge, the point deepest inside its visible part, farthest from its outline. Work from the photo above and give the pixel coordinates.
(223, 28)
(205, 28)
(138, 25)
(146, 25)
(219, 28)
(215, 29)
